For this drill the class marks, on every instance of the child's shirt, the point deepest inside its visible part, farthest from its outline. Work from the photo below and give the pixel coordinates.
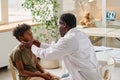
(27, 58)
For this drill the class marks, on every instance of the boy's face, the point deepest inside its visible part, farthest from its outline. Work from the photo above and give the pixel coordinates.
(62, 28)
(27, 36)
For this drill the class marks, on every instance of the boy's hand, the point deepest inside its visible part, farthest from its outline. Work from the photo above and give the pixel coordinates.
(37, 43)
(46, 76)
(52, 77)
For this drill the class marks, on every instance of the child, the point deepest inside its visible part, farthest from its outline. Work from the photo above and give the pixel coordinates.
(23, 58)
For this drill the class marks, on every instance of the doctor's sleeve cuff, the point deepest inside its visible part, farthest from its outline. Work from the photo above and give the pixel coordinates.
(36, 50)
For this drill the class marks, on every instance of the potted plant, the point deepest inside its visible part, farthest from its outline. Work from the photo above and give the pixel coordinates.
(45, 13)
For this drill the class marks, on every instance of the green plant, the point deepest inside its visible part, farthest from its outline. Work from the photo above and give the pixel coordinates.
(45, 13)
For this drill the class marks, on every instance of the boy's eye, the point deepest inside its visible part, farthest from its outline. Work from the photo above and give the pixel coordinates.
(29, 32)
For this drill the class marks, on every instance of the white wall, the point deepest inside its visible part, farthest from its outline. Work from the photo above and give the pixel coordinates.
(15, 3)
(7, 43)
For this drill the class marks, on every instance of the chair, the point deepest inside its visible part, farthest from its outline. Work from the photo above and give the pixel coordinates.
(106, 70)
(12, 69)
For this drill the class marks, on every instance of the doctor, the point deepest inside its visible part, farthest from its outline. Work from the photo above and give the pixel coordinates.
(74, 48)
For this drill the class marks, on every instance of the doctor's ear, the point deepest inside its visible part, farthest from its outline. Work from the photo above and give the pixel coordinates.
(64, 25)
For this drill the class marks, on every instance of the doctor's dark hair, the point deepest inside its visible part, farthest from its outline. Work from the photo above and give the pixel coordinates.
(20, 29)
(69, 19)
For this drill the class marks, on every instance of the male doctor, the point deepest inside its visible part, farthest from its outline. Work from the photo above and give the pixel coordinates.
(74, 48)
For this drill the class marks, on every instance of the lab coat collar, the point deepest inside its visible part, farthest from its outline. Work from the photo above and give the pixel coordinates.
(71, 30)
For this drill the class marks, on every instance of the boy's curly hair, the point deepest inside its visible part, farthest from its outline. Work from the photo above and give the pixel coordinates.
(20, 29)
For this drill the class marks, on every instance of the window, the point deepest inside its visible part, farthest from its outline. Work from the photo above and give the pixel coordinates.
(3, 12)
(16, 12)
(12, 11)
(0, 11)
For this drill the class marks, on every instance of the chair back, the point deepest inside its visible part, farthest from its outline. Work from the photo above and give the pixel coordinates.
(12, 69)
(106, 70)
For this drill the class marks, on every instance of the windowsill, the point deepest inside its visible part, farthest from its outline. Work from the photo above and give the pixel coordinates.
(10, 26)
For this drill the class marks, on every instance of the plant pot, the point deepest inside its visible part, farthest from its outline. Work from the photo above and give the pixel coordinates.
(49, 64)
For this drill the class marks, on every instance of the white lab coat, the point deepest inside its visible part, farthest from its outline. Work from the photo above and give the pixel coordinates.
(77, 52)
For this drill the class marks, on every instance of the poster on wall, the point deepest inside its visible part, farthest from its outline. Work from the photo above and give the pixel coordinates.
(110, 15)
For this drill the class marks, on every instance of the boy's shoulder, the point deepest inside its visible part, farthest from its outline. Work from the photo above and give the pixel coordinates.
(15, 51)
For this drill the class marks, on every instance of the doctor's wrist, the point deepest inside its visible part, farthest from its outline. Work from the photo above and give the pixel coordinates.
(37, 43)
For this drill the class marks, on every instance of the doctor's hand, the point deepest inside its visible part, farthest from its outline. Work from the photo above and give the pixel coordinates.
(37, 43)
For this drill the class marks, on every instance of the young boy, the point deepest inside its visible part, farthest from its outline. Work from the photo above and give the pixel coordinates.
(23, 58)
